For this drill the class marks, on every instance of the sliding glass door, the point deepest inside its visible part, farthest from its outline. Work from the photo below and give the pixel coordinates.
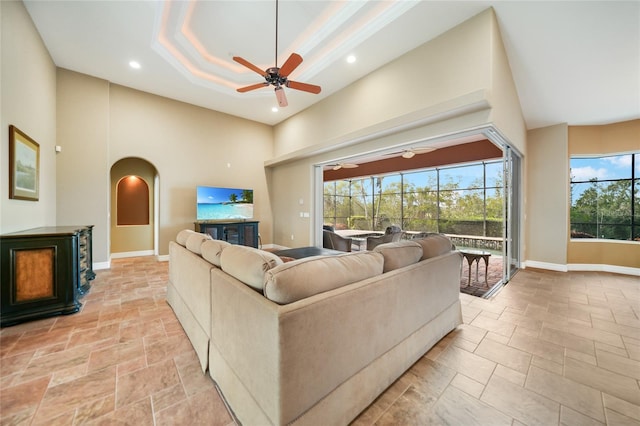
(478, 204)
(512, 210)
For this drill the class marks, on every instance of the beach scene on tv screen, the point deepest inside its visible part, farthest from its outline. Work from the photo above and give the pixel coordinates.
(224, 203)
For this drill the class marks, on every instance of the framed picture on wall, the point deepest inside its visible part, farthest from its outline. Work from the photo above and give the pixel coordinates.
(24, 166)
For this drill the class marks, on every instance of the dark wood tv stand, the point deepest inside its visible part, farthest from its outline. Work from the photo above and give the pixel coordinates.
(235, 232)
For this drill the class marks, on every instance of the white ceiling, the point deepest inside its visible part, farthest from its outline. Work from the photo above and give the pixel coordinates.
(573, 61)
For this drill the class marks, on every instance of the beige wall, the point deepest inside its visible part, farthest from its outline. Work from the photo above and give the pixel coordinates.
(28, 101)
(506, 114)
(132, 238)
(606, 139)
(602, 140)
(547, 200)
(190, 146)
(187, 145)
(546, 194)
(441, 87)
(452, 65)
(293, 231)
(83, 167)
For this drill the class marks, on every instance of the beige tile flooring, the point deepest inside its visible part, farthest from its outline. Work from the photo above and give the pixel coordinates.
(550, 348)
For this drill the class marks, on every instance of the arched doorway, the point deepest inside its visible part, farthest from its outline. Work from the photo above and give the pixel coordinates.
(133, 212)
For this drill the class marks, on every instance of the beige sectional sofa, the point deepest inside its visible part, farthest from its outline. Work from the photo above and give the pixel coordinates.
(316, 340)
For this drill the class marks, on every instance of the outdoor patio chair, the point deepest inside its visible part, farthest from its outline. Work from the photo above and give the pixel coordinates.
(392, 234)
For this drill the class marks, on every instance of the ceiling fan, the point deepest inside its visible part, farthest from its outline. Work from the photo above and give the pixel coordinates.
(339, 166)
(411, 152)
(278, 77)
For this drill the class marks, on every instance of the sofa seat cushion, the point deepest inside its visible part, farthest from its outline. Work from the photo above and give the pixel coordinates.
(434, 245)
(248, 264)
(303, 278)
(212, 250)
(194, 242)
(399, 254)
(183, 235)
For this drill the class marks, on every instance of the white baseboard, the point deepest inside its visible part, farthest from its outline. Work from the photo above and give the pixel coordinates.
(107, 265)
(582, 267)
(101, 265)
(545, 265)
(126, 254)
(626, 270)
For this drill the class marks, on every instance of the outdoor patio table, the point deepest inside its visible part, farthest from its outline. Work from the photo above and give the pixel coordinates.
(475, 256)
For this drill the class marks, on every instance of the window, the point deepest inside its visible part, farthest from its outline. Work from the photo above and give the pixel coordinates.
(605, 193)
(461, 200)
(420, 200)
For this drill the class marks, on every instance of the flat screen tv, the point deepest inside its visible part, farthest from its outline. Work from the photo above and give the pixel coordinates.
(214, 203)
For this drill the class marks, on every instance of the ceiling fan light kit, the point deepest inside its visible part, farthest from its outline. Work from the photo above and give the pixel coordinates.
(281, 97)
(278, 77)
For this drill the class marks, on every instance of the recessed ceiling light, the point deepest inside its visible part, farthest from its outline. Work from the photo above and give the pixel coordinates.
(135, 65)
(351, 59)
(274, 109)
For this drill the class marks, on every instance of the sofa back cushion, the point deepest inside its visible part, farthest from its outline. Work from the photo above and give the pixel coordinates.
(212, 249)
(399, 254)
(248, 264)
(303, 278)
(195, 240)
(182, 236)
(434, 245)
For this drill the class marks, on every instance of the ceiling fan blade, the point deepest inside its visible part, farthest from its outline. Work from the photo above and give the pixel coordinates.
(290, 64)
(423, 150)
(252, 87)
(305, 87)
(343, 166)
(249, 65)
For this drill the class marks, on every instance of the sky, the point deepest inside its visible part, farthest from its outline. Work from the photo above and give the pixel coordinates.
(600, 168)
(464, 176)
(603, 168)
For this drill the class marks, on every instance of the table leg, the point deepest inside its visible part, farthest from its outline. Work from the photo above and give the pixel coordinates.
(469, 262)
(486, 270)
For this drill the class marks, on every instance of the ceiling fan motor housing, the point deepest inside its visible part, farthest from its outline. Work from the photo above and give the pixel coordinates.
(273, 77)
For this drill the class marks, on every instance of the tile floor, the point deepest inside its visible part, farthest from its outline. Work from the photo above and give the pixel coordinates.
(550, 348)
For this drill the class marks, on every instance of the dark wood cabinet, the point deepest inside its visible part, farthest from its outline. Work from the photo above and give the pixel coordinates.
(243, 233)
(44, 271)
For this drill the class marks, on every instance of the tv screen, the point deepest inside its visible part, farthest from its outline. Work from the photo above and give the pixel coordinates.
(215, 203)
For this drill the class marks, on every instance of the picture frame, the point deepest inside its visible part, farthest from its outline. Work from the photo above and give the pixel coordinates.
(24, 166)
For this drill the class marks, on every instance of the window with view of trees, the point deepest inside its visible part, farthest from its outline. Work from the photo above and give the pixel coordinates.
(605, 197)
(462, 200)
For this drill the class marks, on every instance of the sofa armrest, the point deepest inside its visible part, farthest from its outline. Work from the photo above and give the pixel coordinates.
(190, 275)
(244, 331)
